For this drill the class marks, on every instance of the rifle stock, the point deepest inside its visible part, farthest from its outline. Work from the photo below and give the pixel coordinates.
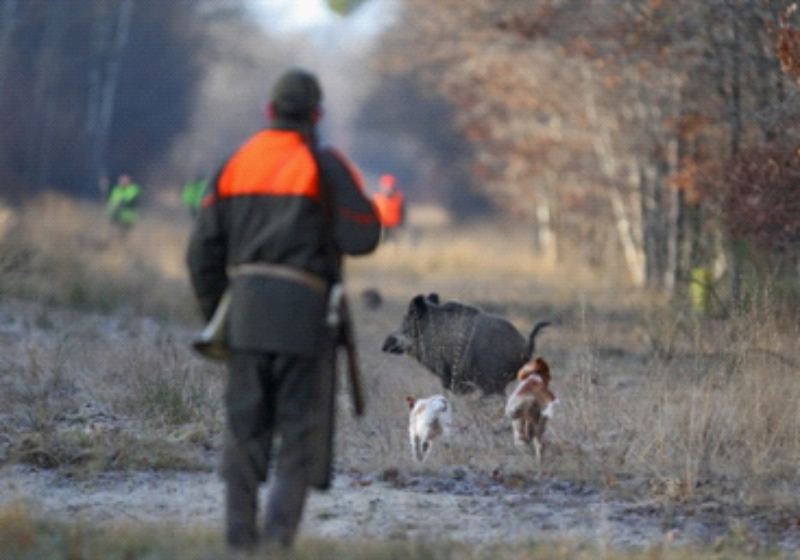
(212, 343)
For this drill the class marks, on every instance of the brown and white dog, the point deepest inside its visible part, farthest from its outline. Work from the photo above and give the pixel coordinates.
(429, 418)
(530, 405)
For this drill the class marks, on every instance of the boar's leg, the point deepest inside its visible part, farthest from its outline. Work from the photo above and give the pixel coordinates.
(447, 376)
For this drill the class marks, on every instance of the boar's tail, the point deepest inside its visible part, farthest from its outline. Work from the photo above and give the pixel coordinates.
(532, 338)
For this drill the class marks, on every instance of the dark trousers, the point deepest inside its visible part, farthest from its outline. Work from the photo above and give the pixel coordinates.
(271, 395)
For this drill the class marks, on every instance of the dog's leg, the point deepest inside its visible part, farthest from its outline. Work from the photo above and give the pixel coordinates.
(426, 447)
(537, 448)
(419, 450)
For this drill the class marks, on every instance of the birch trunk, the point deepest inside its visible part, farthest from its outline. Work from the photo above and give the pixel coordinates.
(548, 246)
(634, 256)
(675, 221)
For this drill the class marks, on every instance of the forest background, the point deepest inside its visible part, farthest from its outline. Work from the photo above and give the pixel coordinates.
(594, 163)
(659, 138)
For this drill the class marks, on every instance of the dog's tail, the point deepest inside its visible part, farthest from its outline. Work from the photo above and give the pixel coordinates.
(532, 338)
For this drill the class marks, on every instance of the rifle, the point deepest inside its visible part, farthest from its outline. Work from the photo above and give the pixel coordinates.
(340, 323)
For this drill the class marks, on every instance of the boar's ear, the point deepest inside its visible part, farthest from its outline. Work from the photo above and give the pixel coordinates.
(418, 306)
(433, 298)
(411, 401)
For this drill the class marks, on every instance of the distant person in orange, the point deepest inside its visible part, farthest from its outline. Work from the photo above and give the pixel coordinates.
(390, 204)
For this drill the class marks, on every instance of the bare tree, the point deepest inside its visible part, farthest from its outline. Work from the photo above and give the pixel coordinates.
(8, 21)
(110, 31)
(83, 102)
(45, 92)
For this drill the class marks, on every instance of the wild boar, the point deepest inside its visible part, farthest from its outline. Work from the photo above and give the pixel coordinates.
(464, 346)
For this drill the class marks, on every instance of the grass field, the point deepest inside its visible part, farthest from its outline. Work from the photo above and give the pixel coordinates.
(96, 376)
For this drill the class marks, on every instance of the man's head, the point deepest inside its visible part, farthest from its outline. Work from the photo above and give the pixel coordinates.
(387, 182)
(296, 96)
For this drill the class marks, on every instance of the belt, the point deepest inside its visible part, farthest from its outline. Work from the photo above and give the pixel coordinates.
(316, 283)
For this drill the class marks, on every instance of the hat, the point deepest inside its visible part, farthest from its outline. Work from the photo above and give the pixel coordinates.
(296, 95)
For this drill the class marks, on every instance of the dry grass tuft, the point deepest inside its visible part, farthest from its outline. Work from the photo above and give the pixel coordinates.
(92, 376)
(66, 253)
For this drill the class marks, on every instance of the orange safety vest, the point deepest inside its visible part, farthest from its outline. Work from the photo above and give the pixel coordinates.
(273, 162)
(390, 208)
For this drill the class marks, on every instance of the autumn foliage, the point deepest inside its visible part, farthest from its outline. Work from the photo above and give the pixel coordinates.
(758, 196)
(758, 192)
(656, 112)
(787, 43)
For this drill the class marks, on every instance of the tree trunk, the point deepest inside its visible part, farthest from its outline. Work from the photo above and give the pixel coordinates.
(650, 182)
(8, 22)
(109, 39)
(546, 238)
(629, 222)
(735, 116)
(46, 88)
(675, 222)
(634, 256)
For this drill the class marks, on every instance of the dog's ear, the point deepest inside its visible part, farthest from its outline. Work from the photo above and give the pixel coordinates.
(433, 298)
(526, 371)
(411, 401)
(541, 367)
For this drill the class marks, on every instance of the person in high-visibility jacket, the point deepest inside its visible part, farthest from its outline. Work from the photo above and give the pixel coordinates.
(122, 207)
(192, 195)
(273, 228)
(390, 203)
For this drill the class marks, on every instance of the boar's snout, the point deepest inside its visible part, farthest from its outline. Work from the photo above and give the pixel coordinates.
(394, 344)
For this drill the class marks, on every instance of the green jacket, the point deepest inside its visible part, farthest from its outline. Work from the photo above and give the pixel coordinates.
(123, 202)
(267, 205)
(192, 194)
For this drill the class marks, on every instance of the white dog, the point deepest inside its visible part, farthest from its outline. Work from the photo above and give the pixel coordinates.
(430, 418)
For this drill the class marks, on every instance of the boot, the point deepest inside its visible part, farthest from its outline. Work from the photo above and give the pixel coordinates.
(285, 509)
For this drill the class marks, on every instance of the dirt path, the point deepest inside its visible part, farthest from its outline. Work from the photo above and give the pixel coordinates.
(458, 506)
